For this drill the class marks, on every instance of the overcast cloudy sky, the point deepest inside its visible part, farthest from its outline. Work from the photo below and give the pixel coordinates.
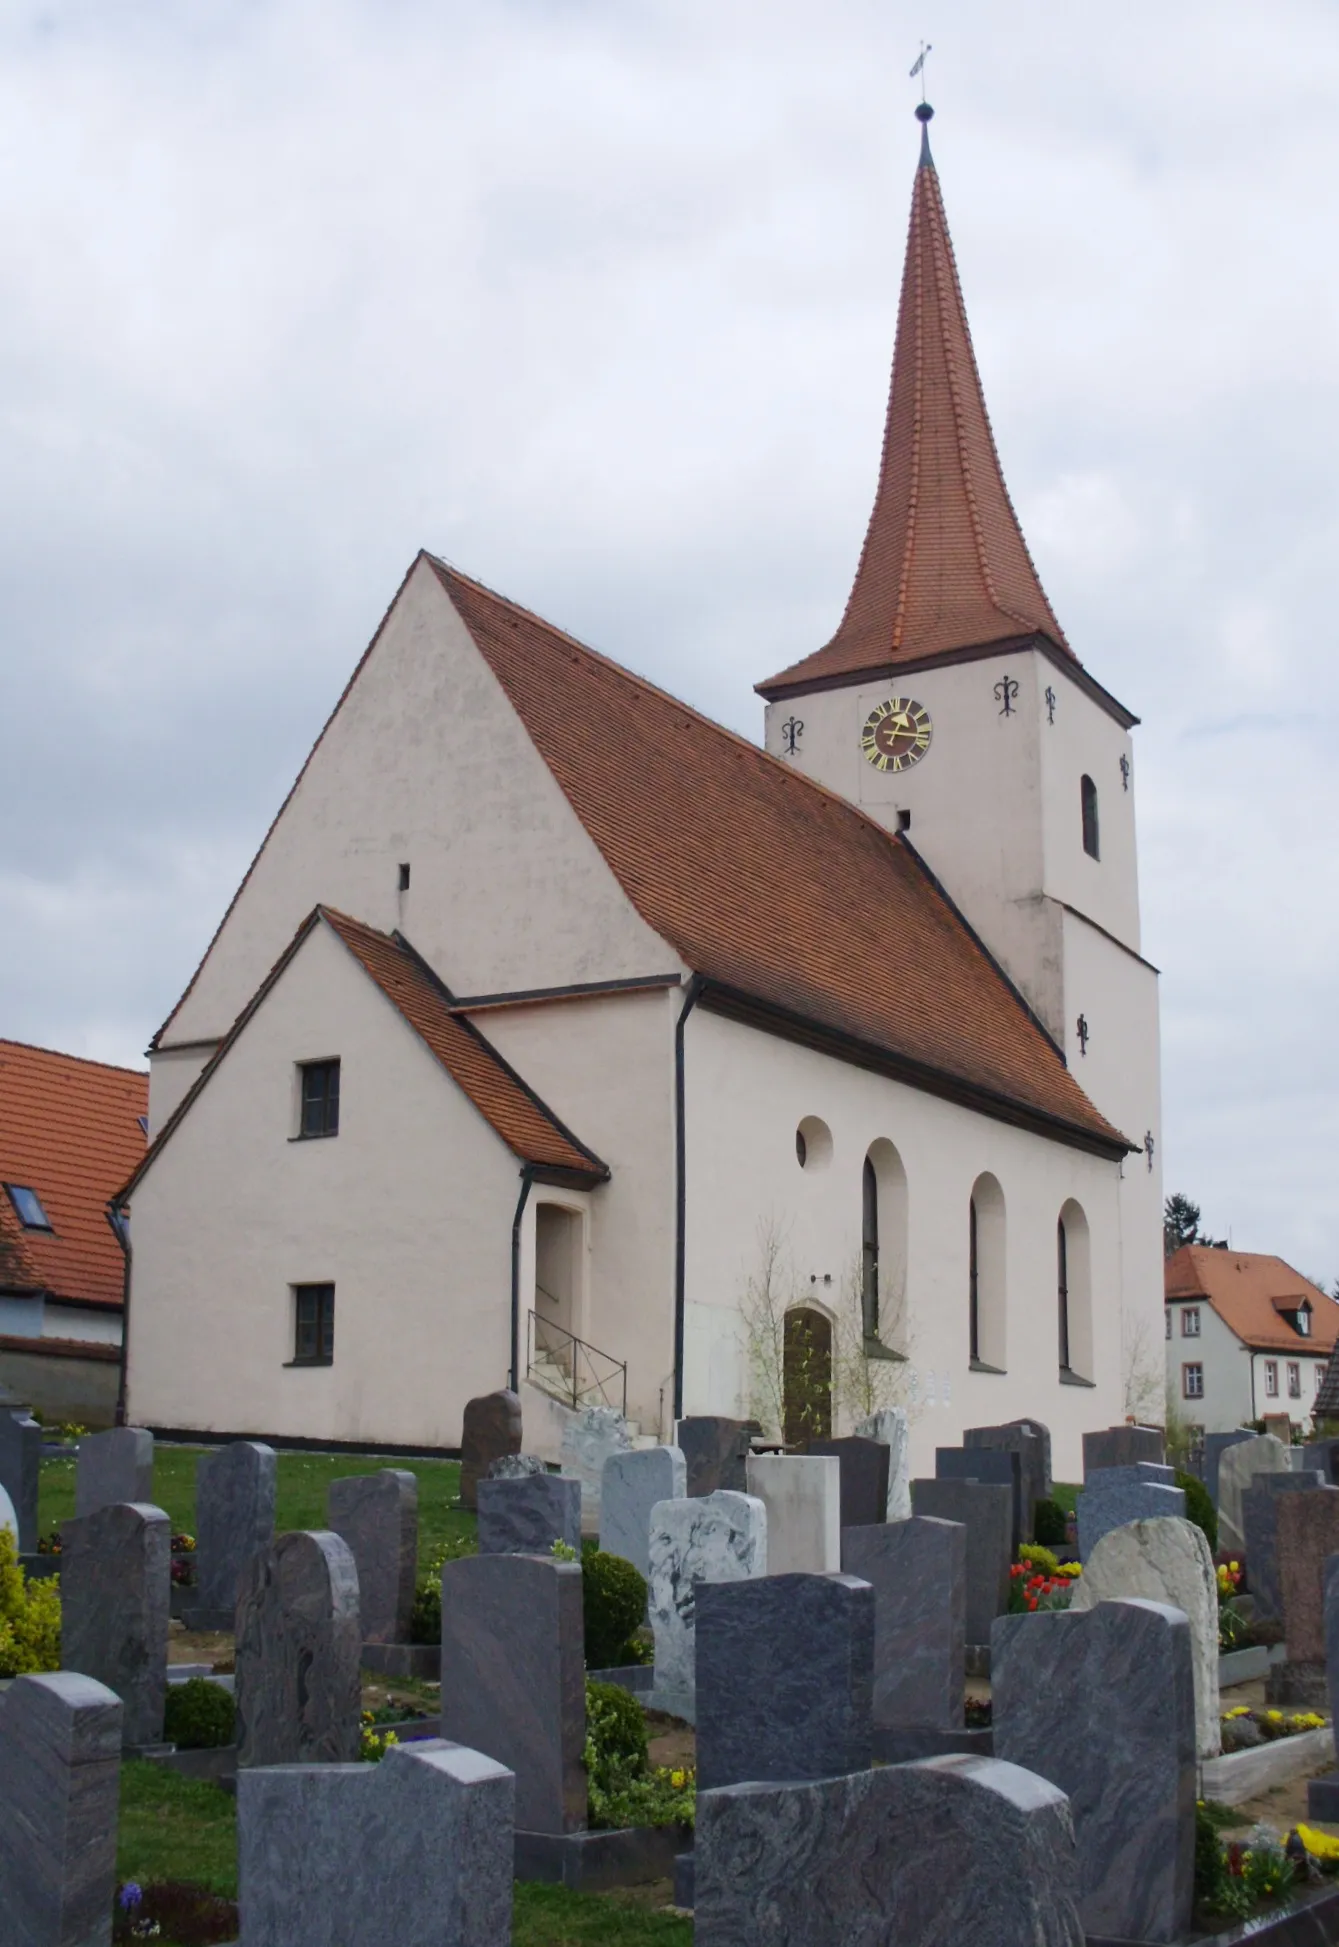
(598, 301)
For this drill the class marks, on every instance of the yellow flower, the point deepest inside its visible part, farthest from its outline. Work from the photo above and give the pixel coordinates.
(1241, 1710)
(1235, 1567)
(1321, 1845)
(677, 1780)
(1274, 1716)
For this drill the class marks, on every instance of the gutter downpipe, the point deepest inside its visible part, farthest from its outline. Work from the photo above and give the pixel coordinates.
(527, 1179)
(691, 998)
(119, 1220)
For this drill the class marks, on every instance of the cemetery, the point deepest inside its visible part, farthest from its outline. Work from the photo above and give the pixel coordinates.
(711, 1691)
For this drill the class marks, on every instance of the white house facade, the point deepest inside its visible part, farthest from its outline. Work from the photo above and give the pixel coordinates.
(1246, 1335)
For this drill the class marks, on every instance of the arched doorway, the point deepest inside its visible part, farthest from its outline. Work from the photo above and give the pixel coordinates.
(807, 1378)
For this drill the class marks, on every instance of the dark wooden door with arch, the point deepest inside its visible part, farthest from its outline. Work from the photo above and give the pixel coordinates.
(807, 1377)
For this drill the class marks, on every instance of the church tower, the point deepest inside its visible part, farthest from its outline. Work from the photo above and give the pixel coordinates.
(950, 706)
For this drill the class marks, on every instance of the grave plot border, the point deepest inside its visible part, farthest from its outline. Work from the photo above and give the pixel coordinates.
(597, 1862)
(1310, 1919)
(404, 1662)
(1239, 1775)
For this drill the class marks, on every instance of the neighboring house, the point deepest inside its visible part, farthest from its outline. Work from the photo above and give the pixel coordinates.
(551, 1016)
(1246, 1335)
(69, 1132)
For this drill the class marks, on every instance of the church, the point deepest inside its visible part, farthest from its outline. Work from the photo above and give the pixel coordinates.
(559, 1037)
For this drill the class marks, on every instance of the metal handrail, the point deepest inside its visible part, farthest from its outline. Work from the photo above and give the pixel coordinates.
(585, 1383)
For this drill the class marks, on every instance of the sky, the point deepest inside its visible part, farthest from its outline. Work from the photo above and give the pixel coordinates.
(597, 300)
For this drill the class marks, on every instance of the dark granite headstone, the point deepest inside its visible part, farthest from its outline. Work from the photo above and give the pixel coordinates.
(1102, 1703)
(994, 1464)
(1122, 1446)
(60, 1775)
(298, 1643)
(918, 1571)
(234, 1519)
(1031, 1441)
(20, 1471)
(784, 1674)
(986, 1510)
(526, 1516)
(491, 1427)
(864, 1477)
(1259, 1504)
(953, 1852)
(377, 1514)
(513, 1678)
(115, 1599)
(113, 1467)
(1323, 1454)
(1215, 1446)
(714, 1451)
(1307, 1532)
(1323, 1793)
(1112, 1497)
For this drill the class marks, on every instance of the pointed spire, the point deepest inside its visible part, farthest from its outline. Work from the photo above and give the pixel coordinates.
(944, 565)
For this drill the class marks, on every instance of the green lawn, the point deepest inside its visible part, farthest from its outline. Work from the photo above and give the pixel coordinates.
(303, 1481)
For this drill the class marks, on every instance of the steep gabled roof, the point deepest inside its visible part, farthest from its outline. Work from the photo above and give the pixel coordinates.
(944, 565)
(1248, 1290)
(70, 1130)
(770, 886)
(512, 1109)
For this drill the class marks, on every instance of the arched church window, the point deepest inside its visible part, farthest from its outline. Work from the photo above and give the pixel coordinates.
(869, 1252)
(1074, 1302)
(986, 1311)
(1062, 1292)
(883, 1246)
(1088, 797)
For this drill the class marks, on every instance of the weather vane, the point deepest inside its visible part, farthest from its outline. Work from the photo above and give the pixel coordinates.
(927, 47)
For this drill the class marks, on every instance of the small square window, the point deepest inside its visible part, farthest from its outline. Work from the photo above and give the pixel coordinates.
(1190, 1322)
(319, 1114)
(1271, 1378)
(1317, 1374)
(1294, 1379)
(313, 1324)
(1192, 1382)
(28, 1206)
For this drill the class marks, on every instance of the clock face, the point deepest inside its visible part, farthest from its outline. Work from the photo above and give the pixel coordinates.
(896, 734)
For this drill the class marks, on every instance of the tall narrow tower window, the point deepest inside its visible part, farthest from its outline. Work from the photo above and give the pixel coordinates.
(1088, 798)
(1062, 1291)
(973, 1287)
(869, 1292)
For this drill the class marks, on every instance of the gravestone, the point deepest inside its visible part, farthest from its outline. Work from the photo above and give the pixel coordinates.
(513, 1678)
(115, 1599)
(526, 1516)
(1323, 1793)
(415, 1851)
(1122, 1446)
(865, 1468)
(1280, 1426)
(802, 1495)
(996, 1465)
(960, 1850)
(986, 1510)
(1102, 1703)
(589, 1437)
(113, 1467)
(633, 1483)
(491, 1427)
(298, 1653)
(721, 1537)
(918, 1572)
(20, 1471)
(1115, 1496)
(1324, 1455)
(714, 1451)
(1307, 1529)
(1215, 1446)
(515, 1467)
(1169, 1562)
(1260, 1529)
(377, 1515)
(1237, 1467)
(234, 1518)
(60, 1775)
(784, 1675)
(1031, 1441)
(889, 1424)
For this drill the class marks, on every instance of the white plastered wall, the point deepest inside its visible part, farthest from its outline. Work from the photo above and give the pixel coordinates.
(747, 1093)
(1227, 1369)
(407, 1210)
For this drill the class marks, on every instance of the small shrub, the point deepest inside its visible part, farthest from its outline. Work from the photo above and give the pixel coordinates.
(1048, 1524)
(29, 1616)
(621, 1788)
(199, 1716)
(613, 1597)
(1200, 1508)
(615, 1726)
(1038, 1558)
(425, 1619)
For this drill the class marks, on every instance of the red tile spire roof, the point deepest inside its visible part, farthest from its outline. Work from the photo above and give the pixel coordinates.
(944, 565)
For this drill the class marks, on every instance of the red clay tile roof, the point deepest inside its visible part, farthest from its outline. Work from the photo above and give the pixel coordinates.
(1246, 1289)
(944, 565)
(530, 1130)
(766, 883)
(69, 1130)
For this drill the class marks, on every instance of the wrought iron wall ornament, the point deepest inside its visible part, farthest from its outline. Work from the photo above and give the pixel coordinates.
(1006, 693)
(1124, 771)
(1082, 1030)
(792, 730)
(1050, 704)
(1149, 1147)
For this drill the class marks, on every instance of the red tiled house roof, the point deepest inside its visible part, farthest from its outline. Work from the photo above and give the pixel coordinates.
(70, 1131)
(1249, 1291)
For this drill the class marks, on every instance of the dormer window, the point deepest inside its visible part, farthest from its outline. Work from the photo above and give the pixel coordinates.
(1303, 1321)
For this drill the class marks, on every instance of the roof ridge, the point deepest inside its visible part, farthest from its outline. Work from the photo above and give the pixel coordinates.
(87, 1061)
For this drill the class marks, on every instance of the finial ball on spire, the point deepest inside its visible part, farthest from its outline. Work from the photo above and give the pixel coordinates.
(924, 112)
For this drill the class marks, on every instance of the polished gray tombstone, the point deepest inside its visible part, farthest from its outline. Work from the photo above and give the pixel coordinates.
(953, 1852)
(631, 1485)
(60, 1775)
(115, 1600)
(113, 1466)
(377, 1515)
(298, 1653)
(1031, 1441)
(918, 1572)
(995, 1465)
(20, 1470)
(986, 1510)
(1259, 1519)
(714, 1450)
(413, 1852)
(864, 1476)
(1122, 1446)
(1323, 1454)
(1323, 1793)
(785, 1667)
(513, 1677)
(1114, 1496)
(235, 1491)
(526, 1516)
(1215, 1446)
(490, 1429)
(1102, 1703)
